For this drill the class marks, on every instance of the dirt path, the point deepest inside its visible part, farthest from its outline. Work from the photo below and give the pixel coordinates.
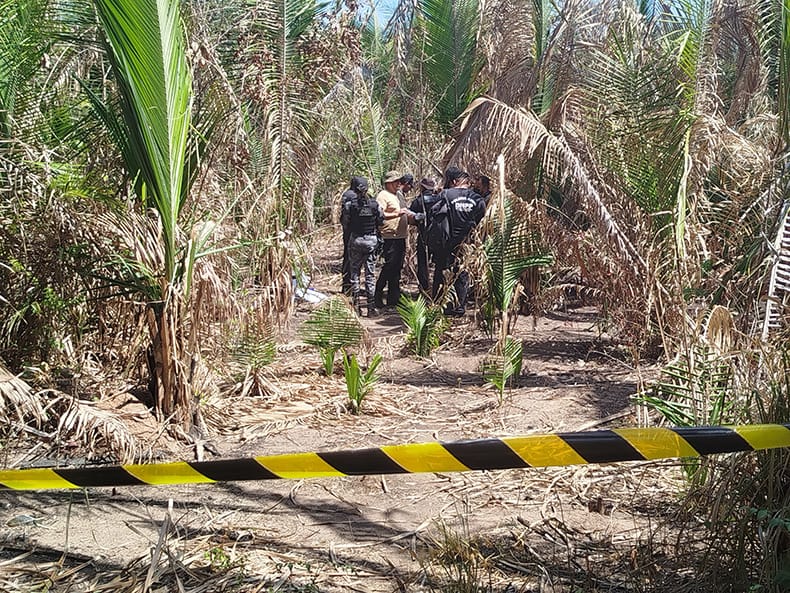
(548, 528)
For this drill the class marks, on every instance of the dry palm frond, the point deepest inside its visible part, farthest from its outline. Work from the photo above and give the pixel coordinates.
(530, 67)
(740, 25)
(71, 419)
(256, 383)
(209, 301)
(18, 402)
(521, 136)
(138, 263)
(719, 329)
(206, 567)
(95, 428)
(399, 30)
(253, 416)
(272, 296)
(506, 40)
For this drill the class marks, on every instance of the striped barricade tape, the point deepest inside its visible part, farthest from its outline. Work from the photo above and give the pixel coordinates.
(604, 446)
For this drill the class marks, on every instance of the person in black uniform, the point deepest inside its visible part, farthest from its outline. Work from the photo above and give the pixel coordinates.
(357, 187)
(482, 185)
(421, 206)
(406, 184)
(466, 209)
(364, 216)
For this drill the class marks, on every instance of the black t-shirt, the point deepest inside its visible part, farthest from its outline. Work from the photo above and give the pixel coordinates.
(466, 209)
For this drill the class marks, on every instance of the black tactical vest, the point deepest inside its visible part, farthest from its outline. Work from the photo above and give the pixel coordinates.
(364, 217)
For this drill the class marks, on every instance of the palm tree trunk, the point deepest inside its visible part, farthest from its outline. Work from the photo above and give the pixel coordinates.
(170, 365)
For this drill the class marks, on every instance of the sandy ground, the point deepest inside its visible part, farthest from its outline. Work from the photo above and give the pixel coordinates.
(557, 529)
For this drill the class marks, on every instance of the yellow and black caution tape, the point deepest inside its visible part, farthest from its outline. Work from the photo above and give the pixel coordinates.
(572, 448)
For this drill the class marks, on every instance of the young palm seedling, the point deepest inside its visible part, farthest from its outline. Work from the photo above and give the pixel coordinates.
(330, 327)
(255, 349)
(511, 249)
(502, 366)
(425, 322)
(359, 381)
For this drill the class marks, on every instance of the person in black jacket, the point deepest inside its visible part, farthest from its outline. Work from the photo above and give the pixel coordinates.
(421, 206)
(466, 209)
(363, 216)
(357, 187)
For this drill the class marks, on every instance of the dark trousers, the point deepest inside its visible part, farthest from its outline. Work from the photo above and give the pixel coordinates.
(422, 265)
(449, 261)
(394, 252)
(362, 252)
(346, 268)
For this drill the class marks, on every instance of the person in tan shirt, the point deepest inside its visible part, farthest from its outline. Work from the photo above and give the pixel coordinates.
(394, 232)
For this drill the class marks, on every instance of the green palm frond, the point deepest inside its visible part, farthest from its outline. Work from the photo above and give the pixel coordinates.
(688, 25)
(542, 12)
(25, 37)
(332, 324)
(359, 381)
(697, 387)
(557, 50)
(146, 40)
(330, 327)
(648, 9)
(637, 129)
(378, 55)
(425, 322)
(451, 60)
(510, 250)
(256, 347)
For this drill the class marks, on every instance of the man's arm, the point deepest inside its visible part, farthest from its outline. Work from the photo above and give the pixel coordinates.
(391, 208)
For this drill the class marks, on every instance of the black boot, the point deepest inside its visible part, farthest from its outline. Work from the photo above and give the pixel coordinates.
(357, 305)
(373, 310)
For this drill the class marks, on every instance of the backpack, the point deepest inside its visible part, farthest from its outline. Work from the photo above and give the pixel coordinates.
(438, 230)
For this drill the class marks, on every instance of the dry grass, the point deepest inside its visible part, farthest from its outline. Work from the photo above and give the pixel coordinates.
(557, 551)
(630, 548)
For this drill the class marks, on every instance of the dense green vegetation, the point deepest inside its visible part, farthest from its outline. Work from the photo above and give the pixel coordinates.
(163, 165)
